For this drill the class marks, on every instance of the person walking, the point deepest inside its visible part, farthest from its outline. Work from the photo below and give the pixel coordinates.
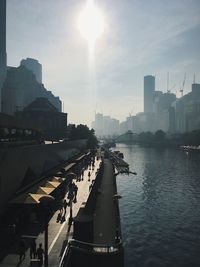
(22, 250)
(59, 216)
(89, 174)
(33, 252)
(65, 206)
(12, 231)
(75, 187)
(40, 253)
(82, 174)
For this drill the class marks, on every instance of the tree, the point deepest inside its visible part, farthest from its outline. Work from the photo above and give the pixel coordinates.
(83, 132)
(92, 140)
(159, 136)
(146, 137)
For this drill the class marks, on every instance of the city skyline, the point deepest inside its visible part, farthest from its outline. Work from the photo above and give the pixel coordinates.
(124, 54)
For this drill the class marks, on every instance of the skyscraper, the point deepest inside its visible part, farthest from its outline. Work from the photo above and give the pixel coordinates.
(149, 89)
(3, 57)
(33, 65)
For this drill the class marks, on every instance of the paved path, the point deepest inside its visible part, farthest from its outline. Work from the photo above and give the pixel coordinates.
(57, 232)
(105, 223)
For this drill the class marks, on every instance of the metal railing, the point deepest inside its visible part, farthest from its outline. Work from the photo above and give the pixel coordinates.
(88, 248)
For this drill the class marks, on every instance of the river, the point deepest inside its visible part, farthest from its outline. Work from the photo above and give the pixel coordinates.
(160, 207)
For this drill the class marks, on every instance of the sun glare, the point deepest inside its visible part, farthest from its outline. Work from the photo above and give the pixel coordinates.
(91, 22)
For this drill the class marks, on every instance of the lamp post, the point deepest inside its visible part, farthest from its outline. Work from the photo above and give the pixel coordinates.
(46, 202)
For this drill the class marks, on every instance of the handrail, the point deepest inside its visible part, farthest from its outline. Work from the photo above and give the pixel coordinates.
(95, 245)
(63, 255)
(89, 247)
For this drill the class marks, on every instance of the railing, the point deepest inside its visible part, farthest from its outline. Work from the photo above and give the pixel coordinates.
(65, 256)
(88, 248)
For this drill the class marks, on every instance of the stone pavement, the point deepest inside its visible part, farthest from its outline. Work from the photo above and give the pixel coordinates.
(58, 233)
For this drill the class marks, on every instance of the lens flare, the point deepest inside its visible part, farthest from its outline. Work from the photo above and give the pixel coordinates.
(91, 22)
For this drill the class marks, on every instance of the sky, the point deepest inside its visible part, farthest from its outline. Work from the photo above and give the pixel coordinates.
(141, 37)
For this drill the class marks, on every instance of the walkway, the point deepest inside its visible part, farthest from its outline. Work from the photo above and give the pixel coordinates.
(105, 220)
(58, 233)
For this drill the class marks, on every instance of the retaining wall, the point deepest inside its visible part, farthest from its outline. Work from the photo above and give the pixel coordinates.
(20, 165)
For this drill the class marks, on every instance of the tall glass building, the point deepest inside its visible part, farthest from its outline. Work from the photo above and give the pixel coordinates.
(149, 89)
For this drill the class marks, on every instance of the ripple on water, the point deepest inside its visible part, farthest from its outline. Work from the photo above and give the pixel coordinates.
(159, 208)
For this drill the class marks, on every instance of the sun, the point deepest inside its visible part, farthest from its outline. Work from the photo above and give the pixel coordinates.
(91, 22)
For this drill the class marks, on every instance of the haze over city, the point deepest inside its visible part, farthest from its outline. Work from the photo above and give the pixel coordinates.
(99, 133)
(139, 38)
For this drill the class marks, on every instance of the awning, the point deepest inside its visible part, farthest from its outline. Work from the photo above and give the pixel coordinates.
(52, 184)
(33, 195)
(68, 167)
(34, 198)
(27, 199)
(80, 158)
(45, 190)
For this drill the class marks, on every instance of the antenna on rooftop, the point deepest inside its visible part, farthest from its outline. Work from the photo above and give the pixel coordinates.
(194, 79)
(182, 88)
(168, 91)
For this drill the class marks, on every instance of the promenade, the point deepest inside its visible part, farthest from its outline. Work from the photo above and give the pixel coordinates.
(105, 230)
(58, 233)
(97, 226)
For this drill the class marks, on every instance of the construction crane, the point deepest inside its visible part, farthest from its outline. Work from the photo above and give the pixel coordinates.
(182, 88)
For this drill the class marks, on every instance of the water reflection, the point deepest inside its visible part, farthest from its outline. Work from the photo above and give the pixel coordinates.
(160, 207)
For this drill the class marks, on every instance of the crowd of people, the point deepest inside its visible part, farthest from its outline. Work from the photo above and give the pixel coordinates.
(66, 201)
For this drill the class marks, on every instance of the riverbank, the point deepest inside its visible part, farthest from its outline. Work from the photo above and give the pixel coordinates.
(163, 144)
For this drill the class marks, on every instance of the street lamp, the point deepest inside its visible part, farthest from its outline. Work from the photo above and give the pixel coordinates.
(46, 202)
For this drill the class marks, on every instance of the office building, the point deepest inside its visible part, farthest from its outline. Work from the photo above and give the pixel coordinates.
(149, 89)
(3, 56)
(21, 88)
(43, 115)
(34, 66)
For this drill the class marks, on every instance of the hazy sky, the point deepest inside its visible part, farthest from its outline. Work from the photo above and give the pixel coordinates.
(141, 37)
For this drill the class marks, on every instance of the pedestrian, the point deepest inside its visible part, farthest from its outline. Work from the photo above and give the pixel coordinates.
(12, 231)
(33, 252)
(40, 253)
(82, 174)
(89, 174)
(62, 219)
(59, 216)
(22, 250)
(70, 193)
(60, 205)
(90, 187)
(65, 206)
(75, 187)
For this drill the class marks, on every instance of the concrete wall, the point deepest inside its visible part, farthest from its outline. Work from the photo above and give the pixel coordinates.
(14, 163)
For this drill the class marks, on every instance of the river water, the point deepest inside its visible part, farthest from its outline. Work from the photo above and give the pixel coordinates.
(160, 207)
